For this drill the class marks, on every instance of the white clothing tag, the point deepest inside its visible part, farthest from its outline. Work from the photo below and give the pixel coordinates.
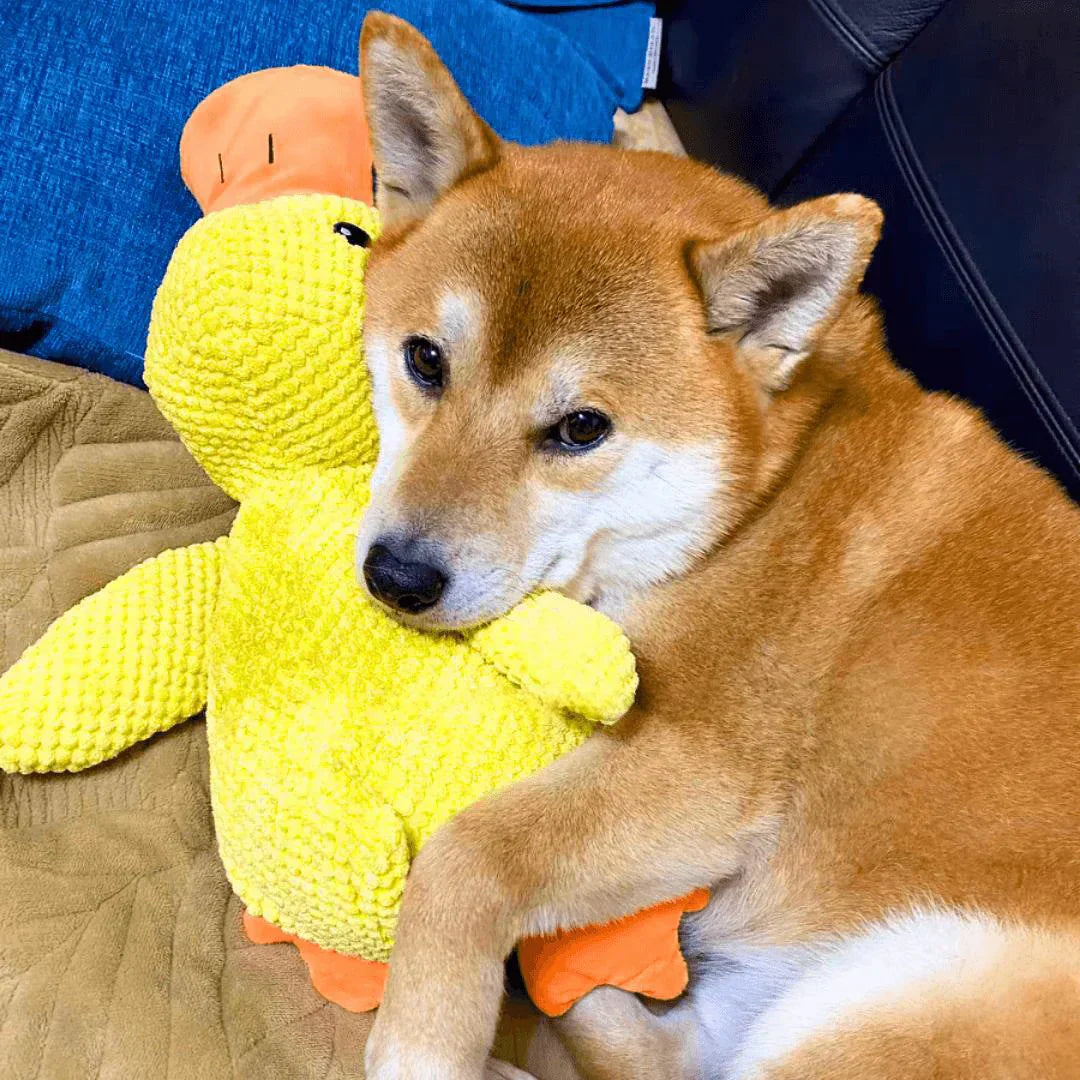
(652, 54)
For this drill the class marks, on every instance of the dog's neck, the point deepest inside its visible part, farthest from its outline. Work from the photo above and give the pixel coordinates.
(796, 444)
(799, 514)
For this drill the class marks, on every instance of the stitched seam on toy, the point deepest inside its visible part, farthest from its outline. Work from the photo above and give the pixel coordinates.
(848, 33)
(996, 323)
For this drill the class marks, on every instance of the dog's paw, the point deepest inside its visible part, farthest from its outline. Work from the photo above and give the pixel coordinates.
(433, 1070)
(387, 1059)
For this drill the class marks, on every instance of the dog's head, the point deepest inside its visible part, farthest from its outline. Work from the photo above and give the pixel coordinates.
(587, 363)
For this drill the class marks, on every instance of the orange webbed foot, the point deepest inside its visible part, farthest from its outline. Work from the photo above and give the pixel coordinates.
(352, 982)
(639, 953)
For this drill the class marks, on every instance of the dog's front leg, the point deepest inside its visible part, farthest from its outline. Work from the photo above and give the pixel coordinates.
(618, 825)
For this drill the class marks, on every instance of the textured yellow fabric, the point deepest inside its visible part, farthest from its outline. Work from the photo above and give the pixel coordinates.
(339, 739)
(255, 350)
(122, 664)
(531, 645)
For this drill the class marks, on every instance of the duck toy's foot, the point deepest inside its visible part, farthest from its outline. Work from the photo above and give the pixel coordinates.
(352, 982)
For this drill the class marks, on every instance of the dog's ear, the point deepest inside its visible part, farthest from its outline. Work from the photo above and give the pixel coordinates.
(776, 287)
(424, 135)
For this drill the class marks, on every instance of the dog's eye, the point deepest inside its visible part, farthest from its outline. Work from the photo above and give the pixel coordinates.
(353, 233)
(424, 362)
(580, 430)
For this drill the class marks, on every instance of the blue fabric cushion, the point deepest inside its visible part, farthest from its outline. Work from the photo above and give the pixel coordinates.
(93, 97)
(612, 34)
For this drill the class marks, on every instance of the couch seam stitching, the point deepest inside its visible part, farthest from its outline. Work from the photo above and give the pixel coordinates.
(807, 152)
(848, 34)
(981, 298)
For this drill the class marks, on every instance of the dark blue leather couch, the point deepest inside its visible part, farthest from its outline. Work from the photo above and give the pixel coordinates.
(962, 118)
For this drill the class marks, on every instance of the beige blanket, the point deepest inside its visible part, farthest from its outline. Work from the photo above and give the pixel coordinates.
(121, 953)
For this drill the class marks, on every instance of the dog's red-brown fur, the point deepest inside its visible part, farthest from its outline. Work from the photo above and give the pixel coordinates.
(863, 697)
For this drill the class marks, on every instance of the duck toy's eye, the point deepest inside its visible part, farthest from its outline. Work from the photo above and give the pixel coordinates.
(353, 233)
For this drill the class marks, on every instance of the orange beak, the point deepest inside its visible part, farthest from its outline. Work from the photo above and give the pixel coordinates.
(275, 132)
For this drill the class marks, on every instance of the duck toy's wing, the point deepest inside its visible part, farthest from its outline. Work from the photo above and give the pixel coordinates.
(126, 662)
(567, 654)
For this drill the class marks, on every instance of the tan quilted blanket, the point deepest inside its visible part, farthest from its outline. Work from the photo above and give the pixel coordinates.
(121, 953)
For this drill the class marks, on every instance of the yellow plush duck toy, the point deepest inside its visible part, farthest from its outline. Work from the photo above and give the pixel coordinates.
(339, 739)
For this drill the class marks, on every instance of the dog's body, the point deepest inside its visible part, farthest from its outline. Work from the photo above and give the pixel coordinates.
(854, 612)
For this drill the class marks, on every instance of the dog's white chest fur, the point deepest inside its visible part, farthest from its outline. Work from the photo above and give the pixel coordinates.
(732, 991)
(755, 1004)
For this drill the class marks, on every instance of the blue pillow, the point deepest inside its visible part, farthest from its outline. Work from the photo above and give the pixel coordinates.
(612, 34)
(93, 96)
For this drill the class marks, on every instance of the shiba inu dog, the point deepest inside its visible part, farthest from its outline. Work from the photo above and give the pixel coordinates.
(625, 376)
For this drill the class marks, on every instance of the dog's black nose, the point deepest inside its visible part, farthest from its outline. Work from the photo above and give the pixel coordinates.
(400, 583)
